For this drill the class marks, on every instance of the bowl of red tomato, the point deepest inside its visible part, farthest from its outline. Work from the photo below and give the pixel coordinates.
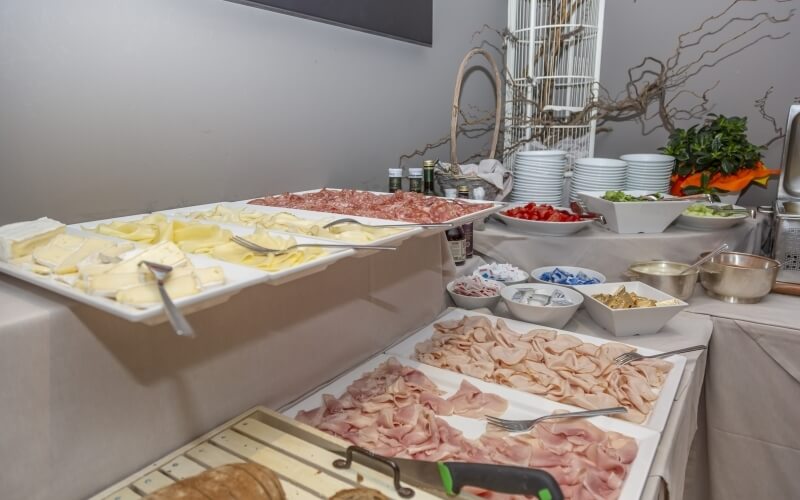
(542, 219)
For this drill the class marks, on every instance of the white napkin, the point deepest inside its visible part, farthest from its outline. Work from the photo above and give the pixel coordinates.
(491, 171)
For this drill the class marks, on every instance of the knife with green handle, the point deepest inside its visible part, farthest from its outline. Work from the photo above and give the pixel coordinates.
(453, 476)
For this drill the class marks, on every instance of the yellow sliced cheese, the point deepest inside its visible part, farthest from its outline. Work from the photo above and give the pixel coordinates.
(151, 229)
(166, 253)
(199, 238)
(89, 247)
(28, 264)
(148, 294)
(237, 254)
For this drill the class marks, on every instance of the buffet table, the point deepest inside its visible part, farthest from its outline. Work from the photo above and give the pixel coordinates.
(87, 398)
(608, 252)
(752, 446)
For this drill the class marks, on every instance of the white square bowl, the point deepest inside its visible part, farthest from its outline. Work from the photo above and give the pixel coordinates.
(635, 216)
(628, 322)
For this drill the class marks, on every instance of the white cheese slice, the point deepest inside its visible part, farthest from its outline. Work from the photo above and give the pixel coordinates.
(21, 238)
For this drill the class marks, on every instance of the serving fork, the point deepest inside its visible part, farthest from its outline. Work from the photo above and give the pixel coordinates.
(259, 249)
(526, 425)
(176, 318)
(347, 220)
(629, 357)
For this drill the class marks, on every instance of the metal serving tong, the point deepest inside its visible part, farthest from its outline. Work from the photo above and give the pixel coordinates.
(526, 425)
(391, 226)
(176, 318)
(259, 249)
(629, 357)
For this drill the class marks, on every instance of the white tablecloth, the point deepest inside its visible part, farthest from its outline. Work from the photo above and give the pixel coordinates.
(751, 443)
(87, 398)
(611, 253)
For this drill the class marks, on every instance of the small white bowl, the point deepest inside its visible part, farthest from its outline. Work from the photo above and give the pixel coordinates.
(524, 277)
(466, 302)
(628, 322)
(552, 316)
(570, 269)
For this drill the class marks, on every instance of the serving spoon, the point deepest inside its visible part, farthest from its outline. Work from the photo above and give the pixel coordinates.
(705, 259)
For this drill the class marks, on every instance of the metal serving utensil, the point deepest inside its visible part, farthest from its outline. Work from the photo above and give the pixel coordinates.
(258, 248)
(629, 357)
(176, 318)
(348, 220)
(577, 208)
(526, 425)
(705, 259)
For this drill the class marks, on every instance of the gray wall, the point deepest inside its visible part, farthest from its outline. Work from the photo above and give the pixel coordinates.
(118, 107)
(650, 28)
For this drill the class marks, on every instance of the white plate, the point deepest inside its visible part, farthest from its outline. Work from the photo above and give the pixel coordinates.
(634, 216)
(655, 421)
(520, 406)
(542, 227)
(712, 223)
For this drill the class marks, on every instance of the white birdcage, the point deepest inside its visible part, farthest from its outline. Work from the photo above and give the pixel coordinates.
(553, 69)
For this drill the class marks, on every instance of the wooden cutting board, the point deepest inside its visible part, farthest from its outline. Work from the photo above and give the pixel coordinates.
(296, 452)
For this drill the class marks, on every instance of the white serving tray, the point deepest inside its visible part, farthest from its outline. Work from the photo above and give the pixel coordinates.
(273, 278)
(394, 239)
(710, 223)
(236, 279)
(496, 206)
(655, 421)
(298, 454)
(520, 406)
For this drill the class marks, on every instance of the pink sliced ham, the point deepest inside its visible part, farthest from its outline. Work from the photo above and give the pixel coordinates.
(394, 411)
(557, 366)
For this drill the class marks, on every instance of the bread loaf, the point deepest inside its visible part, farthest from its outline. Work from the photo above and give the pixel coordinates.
(359, 494)
(230, 482)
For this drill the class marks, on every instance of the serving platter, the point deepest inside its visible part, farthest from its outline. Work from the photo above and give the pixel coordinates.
(710, 222)
(236, 279)
(655, 421)
(496, 205)
(321, 217)
(521, 405)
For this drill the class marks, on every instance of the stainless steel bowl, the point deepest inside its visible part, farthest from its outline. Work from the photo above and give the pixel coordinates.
(665, 276)
(740, 278)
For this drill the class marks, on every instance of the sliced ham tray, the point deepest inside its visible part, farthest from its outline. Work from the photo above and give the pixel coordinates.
(657, 418)
(521, 406)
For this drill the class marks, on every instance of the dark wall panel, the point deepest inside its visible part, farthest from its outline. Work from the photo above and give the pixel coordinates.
(409, 20)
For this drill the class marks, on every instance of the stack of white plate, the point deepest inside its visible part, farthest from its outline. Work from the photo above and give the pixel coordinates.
(649, 172)
(539, 177)
(597, 174)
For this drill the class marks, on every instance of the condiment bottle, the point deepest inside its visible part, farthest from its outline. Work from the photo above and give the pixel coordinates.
(427, 167)
(478, 193)
(395, 179)
(415, 180)
(463, 192)
(456, 240)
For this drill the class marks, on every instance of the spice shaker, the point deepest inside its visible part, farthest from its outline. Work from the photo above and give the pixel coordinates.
(395, 180)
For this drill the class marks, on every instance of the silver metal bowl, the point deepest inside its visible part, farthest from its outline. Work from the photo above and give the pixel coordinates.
(740, 278)
(665, 276)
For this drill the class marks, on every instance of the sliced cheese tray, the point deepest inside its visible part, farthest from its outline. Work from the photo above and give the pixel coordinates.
(299, 455)
(306, 223)
(520, 406)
